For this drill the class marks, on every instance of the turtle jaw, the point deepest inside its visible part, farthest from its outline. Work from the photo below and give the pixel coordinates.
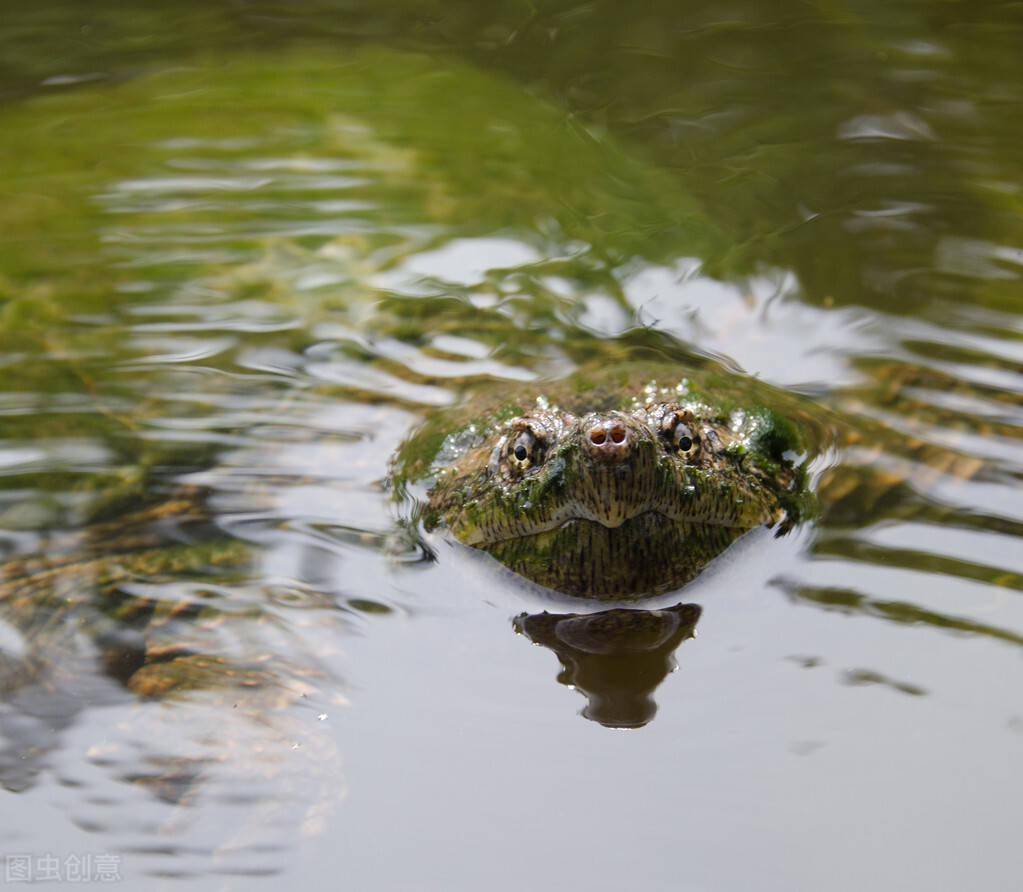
(495, 524)
(573, 485)
(646, 555)
(612, 501)
(470, 532)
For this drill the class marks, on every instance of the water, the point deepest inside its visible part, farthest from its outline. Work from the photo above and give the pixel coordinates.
(247, 248)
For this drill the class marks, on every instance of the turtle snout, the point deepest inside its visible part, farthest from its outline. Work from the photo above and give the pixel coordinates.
(607, 439)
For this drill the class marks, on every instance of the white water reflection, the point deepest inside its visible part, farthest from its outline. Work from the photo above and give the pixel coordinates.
(459, 262)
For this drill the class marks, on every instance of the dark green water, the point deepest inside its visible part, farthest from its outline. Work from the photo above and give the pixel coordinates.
(245, 247)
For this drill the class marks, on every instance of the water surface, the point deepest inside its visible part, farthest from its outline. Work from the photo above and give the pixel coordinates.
(248, 248)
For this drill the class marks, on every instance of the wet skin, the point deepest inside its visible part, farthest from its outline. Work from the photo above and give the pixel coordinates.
(608, 492)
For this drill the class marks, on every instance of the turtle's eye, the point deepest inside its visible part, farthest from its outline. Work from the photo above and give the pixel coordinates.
(684, 440)
(681, 439)
(526, 451)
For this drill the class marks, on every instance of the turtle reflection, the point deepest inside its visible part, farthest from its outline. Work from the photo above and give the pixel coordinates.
(615, 658)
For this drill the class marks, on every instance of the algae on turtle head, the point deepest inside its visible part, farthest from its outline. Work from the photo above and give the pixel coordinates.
(611, 486)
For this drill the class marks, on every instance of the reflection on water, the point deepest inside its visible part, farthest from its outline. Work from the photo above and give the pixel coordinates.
(615, 658)
(247, 249)
(158, 618)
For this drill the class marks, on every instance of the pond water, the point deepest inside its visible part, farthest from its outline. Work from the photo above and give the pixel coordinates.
(248, 247)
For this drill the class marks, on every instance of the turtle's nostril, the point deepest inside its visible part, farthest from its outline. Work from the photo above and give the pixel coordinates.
(609, 438)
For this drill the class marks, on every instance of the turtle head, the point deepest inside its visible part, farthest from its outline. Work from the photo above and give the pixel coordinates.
(611, 503)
